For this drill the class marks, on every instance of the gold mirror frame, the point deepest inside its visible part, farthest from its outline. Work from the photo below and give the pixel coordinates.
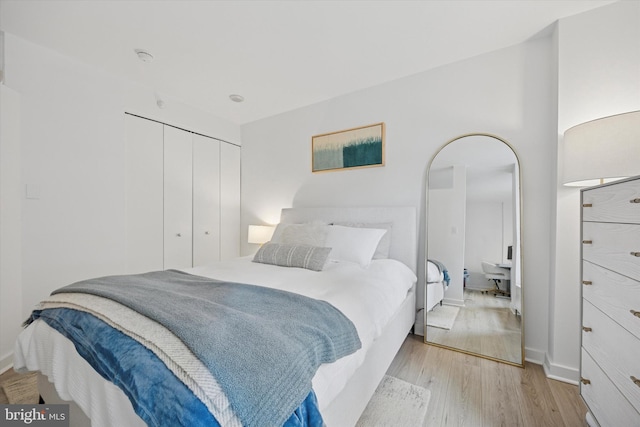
(517, 253)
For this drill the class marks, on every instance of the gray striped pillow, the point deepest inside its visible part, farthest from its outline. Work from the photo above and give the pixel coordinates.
(289, 255)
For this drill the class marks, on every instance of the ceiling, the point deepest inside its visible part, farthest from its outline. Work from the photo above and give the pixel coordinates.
(279, 55)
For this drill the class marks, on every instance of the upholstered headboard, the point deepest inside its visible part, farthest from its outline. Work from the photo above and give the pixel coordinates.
(403, 219)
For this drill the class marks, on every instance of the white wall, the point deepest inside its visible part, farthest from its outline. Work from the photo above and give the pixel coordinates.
(598, 75)
(72, 184)
(508, 93)
(10, 219)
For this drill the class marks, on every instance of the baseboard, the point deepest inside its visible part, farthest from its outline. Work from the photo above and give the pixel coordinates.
(534, 356)
(561, 373)
(6, 362)
(555, 372)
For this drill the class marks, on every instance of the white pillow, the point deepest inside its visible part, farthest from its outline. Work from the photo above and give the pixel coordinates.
(353, 244)
(312, 234)
(384, 247)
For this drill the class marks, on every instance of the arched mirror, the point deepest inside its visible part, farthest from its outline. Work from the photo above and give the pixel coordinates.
(473, 297)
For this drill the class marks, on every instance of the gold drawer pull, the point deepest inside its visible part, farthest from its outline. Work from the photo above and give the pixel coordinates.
(636, 254)
(635, 313)
(587, 282)
(589, 205)
(587, 329)
(635, 380)
(634, 201)
(587, 242)
(585, 381)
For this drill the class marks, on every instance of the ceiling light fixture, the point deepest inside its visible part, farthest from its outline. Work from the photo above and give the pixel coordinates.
(236, 98)
(143, 55)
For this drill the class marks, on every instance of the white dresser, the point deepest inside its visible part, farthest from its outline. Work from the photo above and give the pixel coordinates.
(610, 362)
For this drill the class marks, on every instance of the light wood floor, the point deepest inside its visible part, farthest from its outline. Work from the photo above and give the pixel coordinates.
(475, 392)
(485, 325)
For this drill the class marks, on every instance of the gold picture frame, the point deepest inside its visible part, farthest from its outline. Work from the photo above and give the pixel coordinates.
(360, 147)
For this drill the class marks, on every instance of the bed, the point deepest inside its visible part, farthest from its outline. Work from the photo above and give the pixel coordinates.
(342, 387)
(436, 284)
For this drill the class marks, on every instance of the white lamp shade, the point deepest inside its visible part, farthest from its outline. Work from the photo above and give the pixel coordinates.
(260, 234)
(602, 150)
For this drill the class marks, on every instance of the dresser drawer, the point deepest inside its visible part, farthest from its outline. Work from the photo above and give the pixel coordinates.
(614, 349)
(613, 203)
(617, 296)
(603, 398)
(613, 246)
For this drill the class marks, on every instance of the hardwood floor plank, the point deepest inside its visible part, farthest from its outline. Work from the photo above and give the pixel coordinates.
(499, 398)
(462, 405)
(536, 401)
(572, 408)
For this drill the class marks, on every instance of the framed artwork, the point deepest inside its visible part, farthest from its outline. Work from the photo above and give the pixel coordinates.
(359, 147)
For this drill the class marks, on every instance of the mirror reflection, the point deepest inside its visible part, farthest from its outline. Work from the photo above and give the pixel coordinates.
(473, 298)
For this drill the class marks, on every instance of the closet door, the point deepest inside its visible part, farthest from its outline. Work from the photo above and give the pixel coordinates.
(206, 200)
(177, 198)
(143, 195)
(229, 201)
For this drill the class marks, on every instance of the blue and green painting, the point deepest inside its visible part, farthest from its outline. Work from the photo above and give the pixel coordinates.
(350, 149)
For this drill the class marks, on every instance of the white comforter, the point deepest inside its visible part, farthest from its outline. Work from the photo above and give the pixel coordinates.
(369, 297)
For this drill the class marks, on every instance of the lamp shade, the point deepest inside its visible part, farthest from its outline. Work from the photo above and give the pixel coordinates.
(602, 150)
(259, 234)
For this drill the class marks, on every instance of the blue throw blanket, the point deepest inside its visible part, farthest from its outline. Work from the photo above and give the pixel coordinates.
(443, 270)
(262, 345)
(156, 394)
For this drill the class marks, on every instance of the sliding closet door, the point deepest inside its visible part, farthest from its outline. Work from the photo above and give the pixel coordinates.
(206, 200)
(182, 197)
(177, 198)
(144, 195)
(229, 201)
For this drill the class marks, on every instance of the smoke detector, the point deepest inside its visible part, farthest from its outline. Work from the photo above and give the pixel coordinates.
(143, 55)
(236, 98)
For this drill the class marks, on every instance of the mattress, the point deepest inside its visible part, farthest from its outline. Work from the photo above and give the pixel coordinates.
(368, 297)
